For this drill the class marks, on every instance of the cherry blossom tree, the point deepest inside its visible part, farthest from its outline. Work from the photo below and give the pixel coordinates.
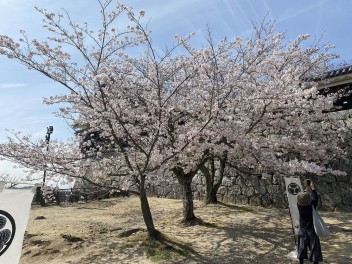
(267, 112)
(139, 100)
(139, 110)
(103, 84)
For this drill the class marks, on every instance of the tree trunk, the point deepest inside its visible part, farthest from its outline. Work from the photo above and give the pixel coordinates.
(211, 195)
(147, 215)
(188, 210)
(212, 186)
(185, 180)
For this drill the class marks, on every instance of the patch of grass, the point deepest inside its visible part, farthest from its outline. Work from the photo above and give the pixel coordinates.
(167, 249)
(163, 253)
(140, 236)
(162, 249)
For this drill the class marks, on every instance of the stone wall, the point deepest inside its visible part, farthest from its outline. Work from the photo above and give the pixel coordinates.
(335, 191)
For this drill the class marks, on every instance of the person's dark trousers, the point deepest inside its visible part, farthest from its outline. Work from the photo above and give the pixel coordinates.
(301, 262)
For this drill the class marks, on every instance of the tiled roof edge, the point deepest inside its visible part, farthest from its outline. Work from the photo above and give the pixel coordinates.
(338, 72)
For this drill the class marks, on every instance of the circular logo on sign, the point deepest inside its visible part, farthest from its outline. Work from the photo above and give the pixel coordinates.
(293, 188)
(7, 231)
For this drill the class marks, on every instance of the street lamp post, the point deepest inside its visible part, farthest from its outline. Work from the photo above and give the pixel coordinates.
(49, 130)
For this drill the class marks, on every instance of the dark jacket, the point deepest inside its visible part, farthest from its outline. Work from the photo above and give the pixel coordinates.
(306, 212)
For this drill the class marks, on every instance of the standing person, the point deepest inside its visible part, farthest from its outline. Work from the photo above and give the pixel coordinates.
(38, 194)
(307, 238)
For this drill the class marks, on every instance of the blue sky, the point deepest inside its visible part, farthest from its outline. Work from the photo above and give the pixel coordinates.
(22, 91)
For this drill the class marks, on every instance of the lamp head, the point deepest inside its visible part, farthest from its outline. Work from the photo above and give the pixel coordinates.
(50, 129)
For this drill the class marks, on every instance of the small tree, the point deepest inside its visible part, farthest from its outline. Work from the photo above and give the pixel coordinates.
(4, 176)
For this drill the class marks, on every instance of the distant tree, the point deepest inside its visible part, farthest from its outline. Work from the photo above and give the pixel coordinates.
(4, 176)
(10, 181)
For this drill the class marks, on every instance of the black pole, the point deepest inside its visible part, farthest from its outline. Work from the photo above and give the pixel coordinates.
(49, 130)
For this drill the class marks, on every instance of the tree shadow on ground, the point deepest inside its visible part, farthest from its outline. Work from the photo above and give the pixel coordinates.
(236, 207)
(257, 235)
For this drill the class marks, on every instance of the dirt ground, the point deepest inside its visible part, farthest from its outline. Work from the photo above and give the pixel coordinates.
(100, 232)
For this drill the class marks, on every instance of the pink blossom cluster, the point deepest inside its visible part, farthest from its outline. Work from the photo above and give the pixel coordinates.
(139, 110)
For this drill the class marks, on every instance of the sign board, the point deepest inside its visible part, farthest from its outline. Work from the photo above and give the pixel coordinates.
(15, 206)
(293, 187)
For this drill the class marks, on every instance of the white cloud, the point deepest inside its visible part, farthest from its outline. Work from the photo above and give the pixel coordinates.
(294, 14)
(12, 85)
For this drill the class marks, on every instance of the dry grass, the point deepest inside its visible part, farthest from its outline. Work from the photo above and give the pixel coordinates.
(228, 234)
